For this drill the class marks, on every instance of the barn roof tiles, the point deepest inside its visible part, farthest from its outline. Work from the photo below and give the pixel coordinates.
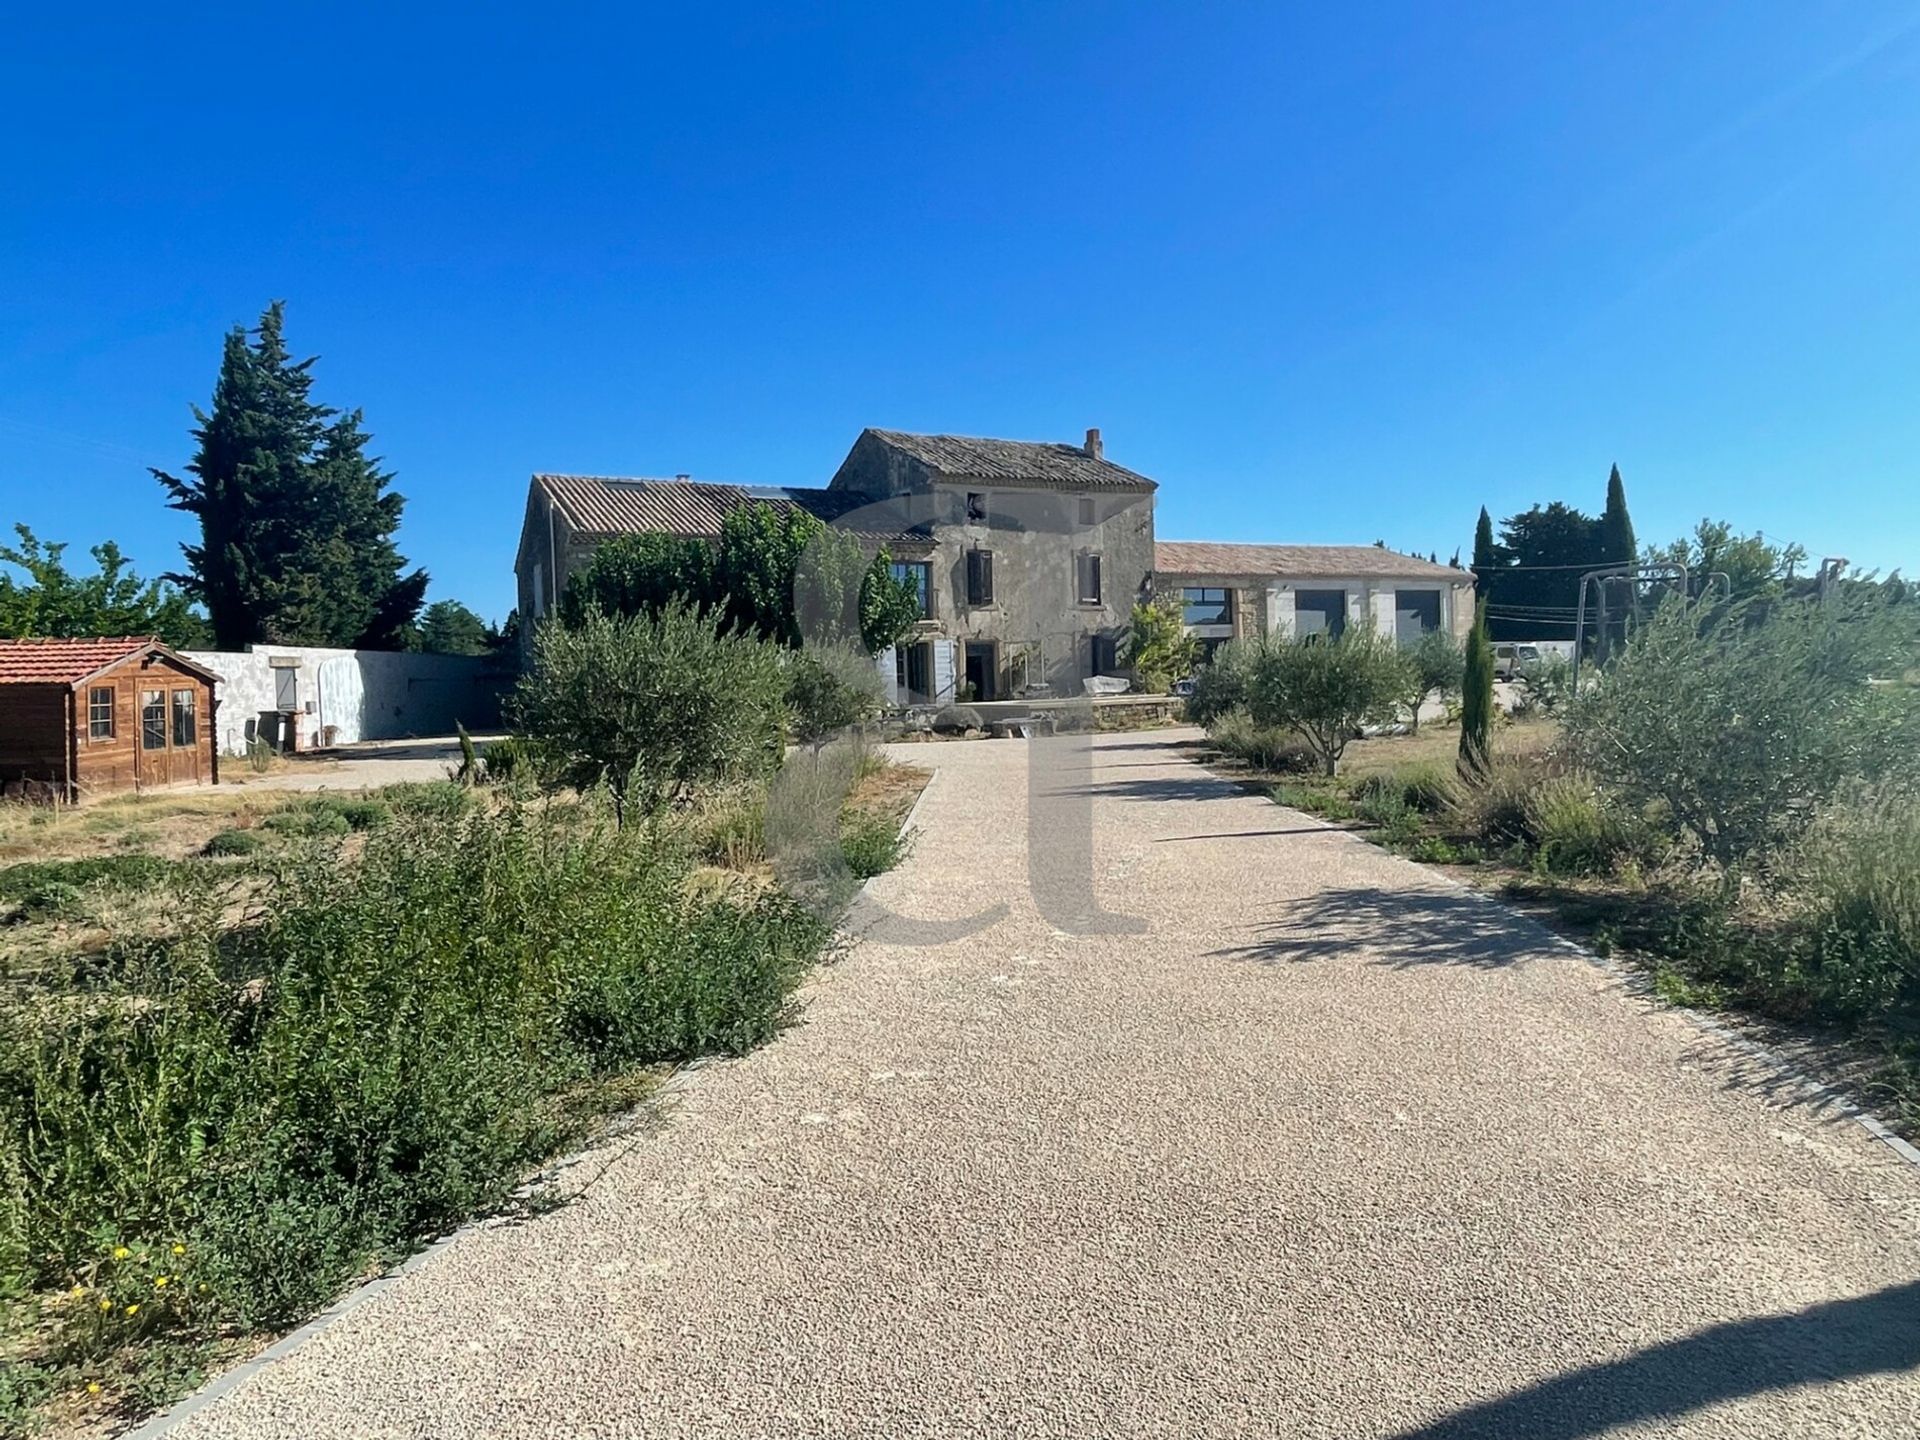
(1047, 463)
(1333, 562)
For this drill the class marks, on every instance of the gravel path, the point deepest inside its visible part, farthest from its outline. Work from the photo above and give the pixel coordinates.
(1330, 1148)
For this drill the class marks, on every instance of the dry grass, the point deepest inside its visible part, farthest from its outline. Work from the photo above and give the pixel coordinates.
(169, 824)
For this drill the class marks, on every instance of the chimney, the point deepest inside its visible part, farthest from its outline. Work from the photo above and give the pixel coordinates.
(683, 476)
(1093, 444)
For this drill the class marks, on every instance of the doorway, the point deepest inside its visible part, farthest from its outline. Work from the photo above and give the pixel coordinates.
(913, 672)
(982, 661)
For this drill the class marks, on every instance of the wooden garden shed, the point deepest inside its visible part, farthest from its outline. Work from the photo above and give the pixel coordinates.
(80, 718)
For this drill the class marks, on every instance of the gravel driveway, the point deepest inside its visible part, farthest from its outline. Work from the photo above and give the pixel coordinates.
(1329, 1148)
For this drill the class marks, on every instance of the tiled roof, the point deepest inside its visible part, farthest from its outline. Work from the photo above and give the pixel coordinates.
(66, 662)
(609, 505)
(1031, 462)
(1332, 562)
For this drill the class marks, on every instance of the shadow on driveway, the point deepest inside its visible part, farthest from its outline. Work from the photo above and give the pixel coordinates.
(1399, 927)
(1871, 1335)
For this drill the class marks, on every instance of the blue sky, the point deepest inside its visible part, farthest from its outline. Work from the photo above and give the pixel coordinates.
(1326, 276)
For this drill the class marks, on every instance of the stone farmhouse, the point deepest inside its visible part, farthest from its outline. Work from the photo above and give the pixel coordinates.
(1028, 555)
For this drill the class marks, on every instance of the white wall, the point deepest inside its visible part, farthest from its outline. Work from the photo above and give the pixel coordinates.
(363, 694)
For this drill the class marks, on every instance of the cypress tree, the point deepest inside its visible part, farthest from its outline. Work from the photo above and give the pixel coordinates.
(1486, 559)
(1617, 545)
(296, 519)
(1476, 698)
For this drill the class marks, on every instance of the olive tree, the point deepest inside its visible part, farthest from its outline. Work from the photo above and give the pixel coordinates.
(1327, 689)
(830, 688)
(1739, 724)
(653, 704)
(1436, 664)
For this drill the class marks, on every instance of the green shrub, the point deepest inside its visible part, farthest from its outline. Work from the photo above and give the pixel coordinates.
(125, 872)
(1260, 747)
(654, 705)
(1157, 647)
(1857, 874)
(1571, 828)
(1437, 666)
(428, 799)
(830, 688)
(1423, 787)
(502, 761)
(384, 1050)
(233, 842)
(1741, 723)
(1220, 685)
(872, 844)
(308, 822)
(1492, 805)
(732, 830)
(51, 900)
(1433, 850)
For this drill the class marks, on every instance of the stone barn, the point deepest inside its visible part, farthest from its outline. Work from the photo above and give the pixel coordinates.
(80, 718)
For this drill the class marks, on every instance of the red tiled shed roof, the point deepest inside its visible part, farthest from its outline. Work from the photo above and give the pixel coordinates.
(68, 662)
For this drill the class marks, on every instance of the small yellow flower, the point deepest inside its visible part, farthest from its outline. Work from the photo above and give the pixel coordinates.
(159, 1282)
(78, 1291)
(106, 1304)
(93, 1387)
(133, 1309)
(179, 1249)
(120, 1252)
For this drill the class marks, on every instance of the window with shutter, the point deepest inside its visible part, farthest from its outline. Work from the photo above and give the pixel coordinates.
(1088, 579)
(979, 577)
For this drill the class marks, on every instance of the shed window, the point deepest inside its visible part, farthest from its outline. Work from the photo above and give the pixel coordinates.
(976, 508)
(153, 719)
(1086, 581)
(100, 712)
(979, 577)
(183, 727)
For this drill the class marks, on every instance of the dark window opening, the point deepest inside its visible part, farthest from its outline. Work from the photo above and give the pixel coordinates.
(183, 718)
(1087, 579)
(100, 712)
(153, 719)
(982, 668)
(1319, 613)
(976, 508)
(1206, 606)
(979, 577)
(1415, 613)
(1102, 655)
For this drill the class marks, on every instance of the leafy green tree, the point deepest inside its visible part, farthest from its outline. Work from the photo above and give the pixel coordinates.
(1756, 569)
(1738, 722)
(296, 519)
(449, 628)
(1436, 665)
(1327, 689)
(55, 604)
(1541, 555)
(1476, 698)
(654, 705)
(1617, 545)
(640, 574)
(781, 574)
(1157, 646)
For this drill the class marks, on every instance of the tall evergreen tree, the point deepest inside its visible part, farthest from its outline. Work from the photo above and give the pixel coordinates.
(1486, 556)
(296, 520)
(1476, 698)
(1617, 546)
